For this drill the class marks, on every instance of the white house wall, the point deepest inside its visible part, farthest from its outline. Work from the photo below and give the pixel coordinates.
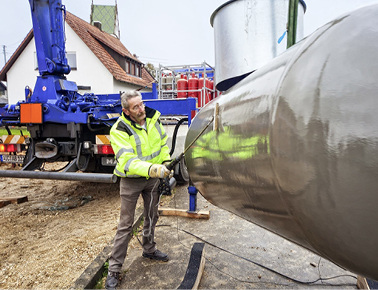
(90, 71)
(122, 87)
(22, 74)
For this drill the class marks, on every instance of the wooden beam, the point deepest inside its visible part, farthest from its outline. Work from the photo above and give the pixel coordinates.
(4, 203)
(361, 283)
(202, 214)
(13, 199)
(365, 283)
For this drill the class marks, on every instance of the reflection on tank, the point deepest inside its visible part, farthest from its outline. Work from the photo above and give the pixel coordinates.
(296, 146)
(229, 144)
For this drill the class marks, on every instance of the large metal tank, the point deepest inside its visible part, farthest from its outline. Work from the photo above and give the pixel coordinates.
(294, 145)
(246, 34)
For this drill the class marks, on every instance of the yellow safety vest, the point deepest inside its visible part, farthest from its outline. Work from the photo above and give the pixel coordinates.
(135, 148)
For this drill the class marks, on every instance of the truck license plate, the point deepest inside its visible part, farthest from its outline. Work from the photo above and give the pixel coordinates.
(108, 161)
(12, 158)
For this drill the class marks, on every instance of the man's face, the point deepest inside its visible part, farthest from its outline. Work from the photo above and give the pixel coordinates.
(136, 110)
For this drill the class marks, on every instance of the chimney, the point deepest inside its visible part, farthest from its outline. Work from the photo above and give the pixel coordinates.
(97, 24)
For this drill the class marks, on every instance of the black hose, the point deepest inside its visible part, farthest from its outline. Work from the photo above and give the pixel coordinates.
(9, 131)
(78, 160)
(90, 126)
(175, 134)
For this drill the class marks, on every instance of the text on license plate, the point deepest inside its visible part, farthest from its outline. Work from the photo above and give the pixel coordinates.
(12, 158)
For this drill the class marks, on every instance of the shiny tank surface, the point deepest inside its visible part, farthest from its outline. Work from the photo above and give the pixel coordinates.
(246, 34)
(294, 146)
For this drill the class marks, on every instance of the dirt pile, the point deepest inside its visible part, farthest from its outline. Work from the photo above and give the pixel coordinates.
(48, 241)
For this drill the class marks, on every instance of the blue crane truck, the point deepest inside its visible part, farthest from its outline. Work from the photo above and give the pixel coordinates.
(63, 124)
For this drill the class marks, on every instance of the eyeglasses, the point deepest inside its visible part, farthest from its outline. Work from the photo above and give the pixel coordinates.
(137, 107)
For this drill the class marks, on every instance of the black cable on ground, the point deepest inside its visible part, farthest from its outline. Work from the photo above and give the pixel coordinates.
(264, 267)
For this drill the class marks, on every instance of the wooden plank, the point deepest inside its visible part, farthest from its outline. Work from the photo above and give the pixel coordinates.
(362, 283)
(15, 199)
(202, 214)
(200, 271)
(195, 267)
(4, 203)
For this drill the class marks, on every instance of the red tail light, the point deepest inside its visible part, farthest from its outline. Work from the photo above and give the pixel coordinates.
(11, 148)
(104, 149)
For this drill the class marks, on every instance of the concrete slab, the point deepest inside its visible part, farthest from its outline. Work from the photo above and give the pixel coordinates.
(238, 254)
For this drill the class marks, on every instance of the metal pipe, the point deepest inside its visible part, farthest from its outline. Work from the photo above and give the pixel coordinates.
(88, 177)
(296, 142)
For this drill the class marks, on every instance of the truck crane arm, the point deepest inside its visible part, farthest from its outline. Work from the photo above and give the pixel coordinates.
(63, 124)
(48, 25)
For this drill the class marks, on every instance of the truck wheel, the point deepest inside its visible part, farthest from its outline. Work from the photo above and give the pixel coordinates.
(181, 172)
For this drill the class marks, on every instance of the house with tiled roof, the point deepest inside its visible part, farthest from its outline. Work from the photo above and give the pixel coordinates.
(99, 63)
(3, 94)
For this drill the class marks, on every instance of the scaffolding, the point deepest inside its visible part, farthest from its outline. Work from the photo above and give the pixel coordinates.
(168, 76)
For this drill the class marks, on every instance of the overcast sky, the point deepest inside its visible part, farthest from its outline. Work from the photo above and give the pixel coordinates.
(170, 32)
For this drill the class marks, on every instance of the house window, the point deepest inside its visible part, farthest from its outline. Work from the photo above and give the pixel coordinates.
(71, 58)
(133, 69)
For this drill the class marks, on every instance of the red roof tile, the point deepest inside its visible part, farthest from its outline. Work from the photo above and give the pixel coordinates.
(94, 37)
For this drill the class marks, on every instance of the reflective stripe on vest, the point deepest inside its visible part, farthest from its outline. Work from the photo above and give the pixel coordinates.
(120, 173)
(159, 130)
(124, 150)
(138, 144)
(124, 174)
(127, 166)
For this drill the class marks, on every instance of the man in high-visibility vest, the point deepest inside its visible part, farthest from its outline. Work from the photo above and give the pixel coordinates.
(139, 141)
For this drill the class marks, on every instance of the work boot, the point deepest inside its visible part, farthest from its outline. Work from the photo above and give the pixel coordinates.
(112, 280)
(157, 255)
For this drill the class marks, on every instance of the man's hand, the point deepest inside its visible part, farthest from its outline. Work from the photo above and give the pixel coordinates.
(158, 171)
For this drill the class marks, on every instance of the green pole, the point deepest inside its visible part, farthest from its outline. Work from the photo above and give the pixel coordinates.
(292, 23)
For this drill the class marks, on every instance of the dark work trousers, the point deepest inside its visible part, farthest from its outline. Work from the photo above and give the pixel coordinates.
(130, 189)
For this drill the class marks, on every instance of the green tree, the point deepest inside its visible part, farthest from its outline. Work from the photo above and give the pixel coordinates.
(151, 69)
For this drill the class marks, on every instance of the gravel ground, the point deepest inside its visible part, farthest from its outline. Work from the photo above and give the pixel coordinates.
(49, 241)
